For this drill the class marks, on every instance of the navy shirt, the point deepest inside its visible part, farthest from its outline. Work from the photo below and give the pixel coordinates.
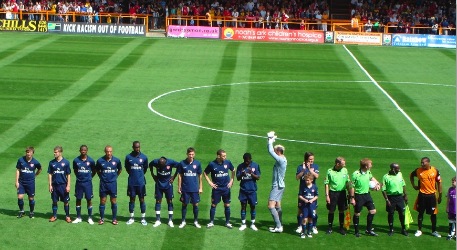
(309, 192)
(164, 173)
(108, 169)
(247, 183)
(83, 169)
(190, 175)
(136, 166)
(59, 171)
(302, 179)
(220, 173)
(27, 169)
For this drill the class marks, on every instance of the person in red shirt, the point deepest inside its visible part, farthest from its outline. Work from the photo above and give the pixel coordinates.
(194, 10)
(185, 10)
(285, 20)
(227, 17)
(302, 25)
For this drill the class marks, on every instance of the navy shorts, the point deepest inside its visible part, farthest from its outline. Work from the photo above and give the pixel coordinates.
(133, 191)
(109, 188)
(59, 192)
(309, 210)
(363, 200)
(217, 195)
(26, 188)
(186, 197)
(248, 197)
(301, 203)
(159, 193)
(84, 189)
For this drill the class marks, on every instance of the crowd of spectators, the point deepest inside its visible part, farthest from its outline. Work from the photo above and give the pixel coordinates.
(404, 14)
(251, 10)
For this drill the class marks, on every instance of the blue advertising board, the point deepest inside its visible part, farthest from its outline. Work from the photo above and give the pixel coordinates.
(422, 40)
(441, 41)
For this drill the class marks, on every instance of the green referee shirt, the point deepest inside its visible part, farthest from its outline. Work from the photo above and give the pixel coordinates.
(361, 181)
(336, 179)
(393, 184)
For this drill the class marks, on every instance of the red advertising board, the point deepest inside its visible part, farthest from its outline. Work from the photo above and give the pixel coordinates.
(273, 35)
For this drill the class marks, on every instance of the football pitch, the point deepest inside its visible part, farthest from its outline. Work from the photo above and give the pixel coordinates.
(390, 104)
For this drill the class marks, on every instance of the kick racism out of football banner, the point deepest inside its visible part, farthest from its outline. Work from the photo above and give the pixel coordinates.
(98, 28)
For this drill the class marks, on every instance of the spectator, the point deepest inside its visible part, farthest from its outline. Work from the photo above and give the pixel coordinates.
(445, 26)
(368, 26)
(284, 21)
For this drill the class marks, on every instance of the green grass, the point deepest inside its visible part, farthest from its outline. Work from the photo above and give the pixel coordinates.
(73, 90)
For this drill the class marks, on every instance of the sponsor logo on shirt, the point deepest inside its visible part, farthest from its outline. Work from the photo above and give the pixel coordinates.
(58, 171)
(190, 173)
(221, 174)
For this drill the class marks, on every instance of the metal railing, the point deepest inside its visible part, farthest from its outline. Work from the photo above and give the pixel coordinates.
(241, 22)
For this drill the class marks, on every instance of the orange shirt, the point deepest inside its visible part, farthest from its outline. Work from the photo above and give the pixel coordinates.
(428, 179)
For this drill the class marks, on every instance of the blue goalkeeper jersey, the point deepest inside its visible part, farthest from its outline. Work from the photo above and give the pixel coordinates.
(136, 166)
(279, 168)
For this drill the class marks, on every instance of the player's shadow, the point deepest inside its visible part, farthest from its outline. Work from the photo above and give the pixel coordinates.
(262, 225)
(14, 213)
(61, 215)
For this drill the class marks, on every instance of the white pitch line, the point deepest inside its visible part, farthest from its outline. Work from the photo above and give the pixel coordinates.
(259, 136)
(401, 111)
(421, 83)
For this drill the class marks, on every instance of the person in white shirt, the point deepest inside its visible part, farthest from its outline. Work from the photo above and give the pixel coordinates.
(235, 15)
(318, 20)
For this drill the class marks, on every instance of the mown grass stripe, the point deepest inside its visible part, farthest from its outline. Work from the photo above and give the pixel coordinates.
(12, 52)
(45, 110)
(235, 118)
(214, 116)
(55, 121)
(206, 144)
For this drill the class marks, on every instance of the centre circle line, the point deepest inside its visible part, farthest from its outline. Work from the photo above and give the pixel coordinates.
(264, 137)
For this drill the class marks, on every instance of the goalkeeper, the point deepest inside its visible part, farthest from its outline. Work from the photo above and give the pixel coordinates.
(278, 185)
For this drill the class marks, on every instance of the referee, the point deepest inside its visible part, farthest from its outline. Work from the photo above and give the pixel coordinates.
(394, 192)
(336, 183)
(360, 196)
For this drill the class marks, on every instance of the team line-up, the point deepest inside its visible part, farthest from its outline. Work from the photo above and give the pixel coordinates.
(341, 189)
